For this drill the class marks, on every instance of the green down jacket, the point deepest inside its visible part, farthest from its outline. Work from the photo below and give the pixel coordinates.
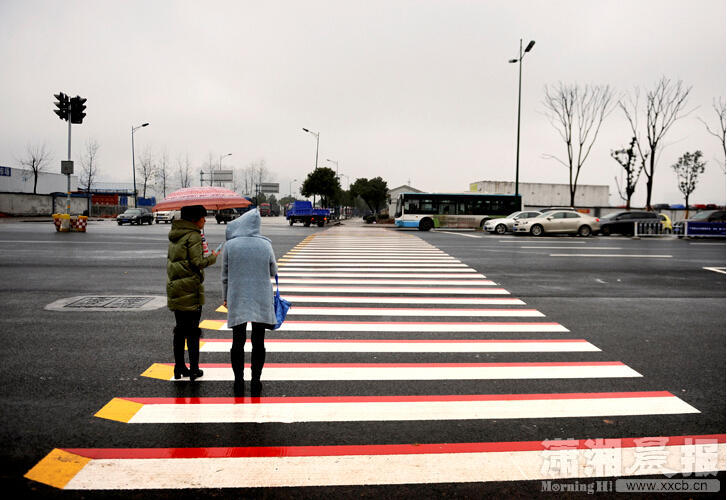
(185, 267)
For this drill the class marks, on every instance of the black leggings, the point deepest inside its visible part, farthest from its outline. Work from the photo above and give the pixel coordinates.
(257, 337)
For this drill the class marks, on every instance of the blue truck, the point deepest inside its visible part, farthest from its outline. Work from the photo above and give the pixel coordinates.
(303, 211)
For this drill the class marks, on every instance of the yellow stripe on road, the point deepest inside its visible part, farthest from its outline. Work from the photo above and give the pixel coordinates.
(160, 371)
(121, 410)
(57, 468)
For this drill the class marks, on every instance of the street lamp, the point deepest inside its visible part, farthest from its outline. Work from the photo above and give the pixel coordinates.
(221, 156)
(133, 162)
(317, 134)
(336, 162)
(290, 187)
(519, 60)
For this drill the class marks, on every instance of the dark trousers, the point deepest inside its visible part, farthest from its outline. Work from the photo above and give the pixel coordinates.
(237, 353)
(187, 328)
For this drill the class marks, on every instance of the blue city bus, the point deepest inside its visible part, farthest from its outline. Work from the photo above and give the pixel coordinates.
(465, 210)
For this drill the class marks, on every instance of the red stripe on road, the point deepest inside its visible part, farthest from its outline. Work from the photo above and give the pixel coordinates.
(387, 449)
(402, 399)
(314, 322)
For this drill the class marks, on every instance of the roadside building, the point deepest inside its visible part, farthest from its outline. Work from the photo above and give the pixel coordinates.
(539, 195)
(18, 180)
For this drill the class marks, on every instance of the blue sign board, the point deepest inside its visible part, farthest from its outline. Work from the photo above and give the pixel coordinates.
(705, 229)
(5, 171)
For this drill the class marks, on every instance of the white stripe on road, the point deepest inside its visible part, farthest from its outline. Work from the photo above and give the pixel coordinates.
(412, 269)
(392, 291)
(460, 301)
(568, 248)
(413, 311)
(325, 345)
(374, 281)
(423, 371)
(406, 409)
(518, 239)
(617, 255)
(373, 260)
(402, 326)
(323, 274)
(361, 465)
(460, 234)
(420, 266)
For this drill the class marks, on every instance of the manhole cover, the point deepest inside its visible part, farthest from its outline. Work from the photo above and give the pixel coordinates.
(109, 303)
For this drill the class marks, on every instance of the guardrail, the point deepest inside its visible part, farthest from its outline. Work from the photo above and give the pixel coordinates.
(680, 229)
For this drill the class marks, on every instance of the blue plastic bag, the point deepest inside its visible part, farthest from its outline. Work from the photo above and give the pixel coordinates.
(281, 306)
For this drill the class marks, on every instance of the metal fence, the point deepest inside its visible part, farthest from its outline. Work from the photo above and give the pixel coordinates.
(680, 229)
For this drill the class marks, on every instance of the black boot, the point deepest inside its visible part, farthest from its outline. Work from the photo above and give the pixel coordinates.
(180, 369)
(193, 348)
(237, 360)
(257, 362)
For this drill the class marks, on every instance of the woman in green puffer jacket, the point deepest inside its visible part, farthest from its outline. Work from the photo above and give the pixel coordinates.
(185, 292)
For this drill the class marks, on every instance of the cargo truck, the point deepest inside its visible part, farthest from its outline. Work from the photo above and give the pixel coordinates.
(303, 211)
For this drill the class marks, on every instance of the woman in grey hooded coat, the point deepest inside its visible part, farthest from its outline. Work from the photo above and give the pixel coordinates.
(248, 263)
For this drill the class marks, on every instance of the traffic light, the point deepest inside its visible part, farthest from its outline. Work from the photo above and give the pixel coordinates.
(63, 106)
(78, 107)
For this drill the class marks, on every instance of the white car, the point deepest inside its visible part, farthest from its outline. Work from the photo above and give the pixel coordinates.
(559, 221)
(166, 216)
(505, 224)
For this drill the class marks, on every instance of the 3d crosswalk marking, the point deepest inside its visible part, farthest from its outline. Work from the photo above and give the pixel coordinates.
(373, 269)
(402, 326)
(409, 345)
(412, 371)
(372, 299)
(289, 466)
(391, 408)
(369, 265)
(284, 275)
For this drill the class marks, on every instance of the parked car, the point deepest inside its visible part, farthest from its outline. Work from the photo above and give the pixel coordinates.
(135, 216)
(226, 215)
(561, 221)
(166, 216)
(554, 209)
(505, 224)
(714, 216)
(623, 222)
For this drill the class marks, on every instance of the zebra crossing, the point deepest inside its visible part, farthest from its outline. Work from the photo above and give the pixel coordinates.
(364, 292)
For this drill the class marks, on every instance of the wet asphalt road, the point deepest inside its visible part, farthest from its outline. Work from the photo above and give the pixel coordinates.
(662, 316)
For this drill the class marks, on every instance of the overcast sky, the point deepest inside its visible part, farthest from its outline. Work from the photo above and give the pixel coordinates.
(416, 91)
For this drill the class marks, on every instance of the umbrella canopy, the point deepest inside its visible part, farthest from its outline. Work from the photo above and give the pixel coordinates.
(211, 197)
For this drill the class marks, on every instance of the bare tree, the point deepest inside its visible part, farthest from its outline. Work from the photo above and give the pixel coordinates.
(36, 159)
(163, 174)
(184, 171)
(577, 113)
(688, 168)
(719, 109)
(145, 169)
(207, 168)
(627, 159)
(89, 164)
(664, 105)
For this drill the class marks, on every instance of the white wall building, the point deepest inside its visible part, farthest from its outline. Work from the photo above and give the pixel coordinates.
(537, 194)
(16, 180)
(394, 193)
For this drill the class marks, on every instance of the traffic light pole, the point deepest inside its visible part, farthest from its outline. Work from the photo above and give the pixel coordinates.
(68, 196)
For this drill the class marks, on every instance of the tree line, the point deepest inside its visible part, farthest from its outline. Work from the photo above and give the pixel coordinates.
(577, 113)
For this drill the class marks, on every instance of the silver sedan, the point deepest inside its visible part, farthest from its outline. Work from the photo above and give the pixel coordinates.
(562, 221)
(505, 224)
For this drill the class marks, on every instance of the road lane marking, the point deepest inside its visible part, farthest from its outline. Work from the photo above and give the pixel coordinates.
(401, 326)
(400, 290)
(393, 269)
(323, 274)
(518, 240)
(375, 264)
(350, 299)
(391, 408)
(377, 281)
(409, 345)
(720, 270)
(538, 247)
(459, 234)
(414, 371)
(401, 311)
(352, 465)
(617, 255)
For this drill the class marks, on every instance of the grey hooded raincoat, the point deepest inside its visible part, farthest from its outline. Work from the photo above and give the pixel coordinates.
(248, 263)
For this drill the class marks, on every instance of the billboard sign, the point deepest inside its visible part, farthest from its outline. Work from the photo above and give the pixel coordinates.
(269, 187)
(222, 176)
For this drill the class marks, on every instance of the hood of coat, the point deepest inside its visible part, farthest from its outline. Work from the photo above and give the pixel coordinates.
(181, 228)
(248, 225)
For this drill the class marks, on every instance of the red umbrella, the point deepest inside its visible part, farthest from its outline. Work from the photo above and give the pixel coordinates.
(212, 198)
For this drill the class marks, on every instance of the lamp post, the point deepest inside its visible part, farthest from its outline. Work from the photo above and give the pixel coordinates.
(221, 156)
(317, 134)
(133, 162)
(290, 187)
(519, 60)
